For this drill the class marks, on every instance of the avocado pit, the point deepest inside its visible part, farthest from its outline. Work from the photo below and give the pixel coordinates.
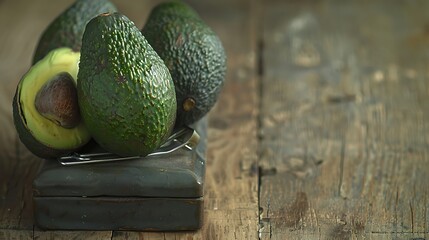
(57, 101)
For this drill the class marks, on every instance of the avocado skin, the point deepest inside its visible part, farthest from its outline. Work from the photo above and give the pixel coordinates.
(125, 92)
(67, 29)
(192, 52)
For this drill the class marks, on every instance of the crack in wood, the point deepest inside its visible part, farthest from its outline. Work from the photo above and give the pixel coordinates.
(342, 156)
(259, 124)
(412, 216)
(341, 98)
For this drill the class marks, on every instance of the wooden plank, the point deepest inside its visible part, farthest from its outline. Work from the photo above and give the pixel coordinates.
(231, 200)
(90, 235)
(344, 120)
(11, 234)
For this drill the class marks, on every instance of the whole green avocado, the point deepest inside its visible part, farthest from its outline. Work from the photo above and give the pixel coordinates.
(194, 55)
(125, 92)
(66, 29)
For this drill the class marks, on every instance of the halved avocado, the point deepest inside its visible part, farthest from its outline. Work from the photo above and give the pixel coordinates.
(43, 136)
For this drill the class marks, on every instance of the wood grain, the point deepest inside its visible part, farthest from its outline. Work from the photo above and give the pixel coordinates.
(320, 133)
(231, 187)
(344, 120)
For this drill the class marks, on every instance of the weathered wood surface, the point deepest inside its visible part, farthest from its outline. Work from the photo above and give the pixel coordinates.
(344, 120)
(320, 132)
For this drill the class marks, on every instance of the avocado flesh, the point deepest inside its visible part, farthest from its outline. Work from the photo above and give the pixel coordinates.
(194, 55)
(66, 29)
(126, 94)
(42, 136)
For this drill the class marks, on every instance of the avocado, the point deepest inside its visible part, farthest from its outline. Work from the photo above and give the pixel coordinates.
(66, 30)
(193, 54)
(125, 92)
(42, 101)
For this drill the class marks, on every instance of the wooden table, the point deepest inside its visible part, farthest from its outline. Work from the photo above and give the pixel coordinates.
(321, 131)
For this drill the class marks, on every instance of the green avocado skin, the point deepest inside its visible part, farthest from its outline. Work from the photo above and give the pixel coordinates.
(192, 52)
(125, 92)
(67, 29)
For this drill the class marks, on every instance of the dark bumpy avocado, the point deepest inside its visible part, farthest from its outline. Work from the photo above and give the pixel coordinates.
(67, 29)
(43, 136)
(194, 55)
(125, 91)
